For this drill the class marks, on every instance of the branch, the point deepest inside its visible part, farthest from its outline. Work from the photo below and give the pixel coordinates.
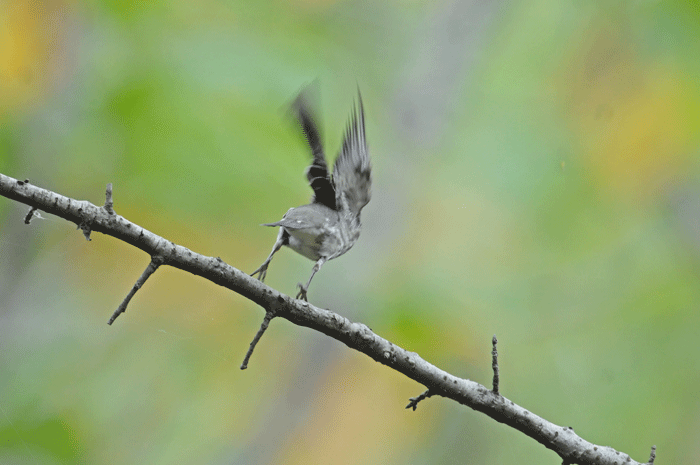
(414, 400)
(263, 327)
(494, 365)
(560, 439)
(652, 456)
(150, 269)
(30, 215)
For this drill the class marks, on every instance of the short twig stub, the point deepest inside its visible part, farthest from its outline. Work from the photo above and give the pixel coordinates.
(414, 400)
(29, 216)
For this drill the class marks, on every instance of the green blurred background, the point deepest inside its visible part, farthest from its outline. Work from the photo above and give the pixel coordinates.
(536, 176)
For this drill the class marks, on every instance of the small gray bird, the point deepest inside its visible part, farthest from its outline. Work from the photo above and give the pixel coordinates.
(330, 225)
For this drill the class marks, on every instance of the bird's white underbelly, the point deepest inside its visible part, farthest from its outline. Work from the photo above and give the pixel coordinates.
(314, 244)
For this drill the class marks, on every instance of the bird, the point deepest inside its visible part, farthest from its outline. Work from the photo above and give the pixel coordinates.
(330, 225)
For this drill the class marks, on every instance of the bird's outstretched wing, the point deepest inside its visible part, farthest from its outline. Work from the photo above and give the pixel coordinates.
(317, 173)
(352, 171)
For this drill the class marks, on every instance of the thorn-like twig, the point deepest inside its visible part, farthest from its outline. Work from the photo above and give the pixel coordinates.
(652, 456)
(150, 269)
(414, 400)
(86, 230)
(263, 327)
(109, 204)
(494, 365)
(29, 216)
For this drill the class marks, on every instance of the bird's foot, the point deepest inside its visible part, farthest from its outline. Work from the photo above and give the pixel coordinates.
(261, 272)
(302, 292)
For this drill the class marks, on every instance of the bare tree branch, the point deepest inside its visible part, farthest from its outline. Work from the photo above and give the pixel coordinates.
(109, 204)
(652, 456)
(30, 215)
(156, 261)
(560, 439)
(263, 327)
(494, 365)
(414, 400)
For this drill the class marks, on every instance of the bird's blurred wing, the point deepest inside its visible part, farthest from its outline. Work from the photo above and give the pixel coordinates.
(317, 174)
(352, 170)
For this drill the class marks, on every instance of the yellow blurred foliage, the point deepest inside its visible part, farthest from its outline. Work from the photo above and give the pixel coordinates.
(29, 43)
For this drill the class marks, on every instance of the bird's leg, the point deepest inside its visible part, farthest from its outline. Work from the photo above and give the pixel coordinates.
(302, 289)
(262, 271)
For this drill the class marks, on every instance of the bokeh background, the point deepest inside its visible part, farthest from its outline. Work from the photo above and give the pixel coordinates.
(536, 176)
